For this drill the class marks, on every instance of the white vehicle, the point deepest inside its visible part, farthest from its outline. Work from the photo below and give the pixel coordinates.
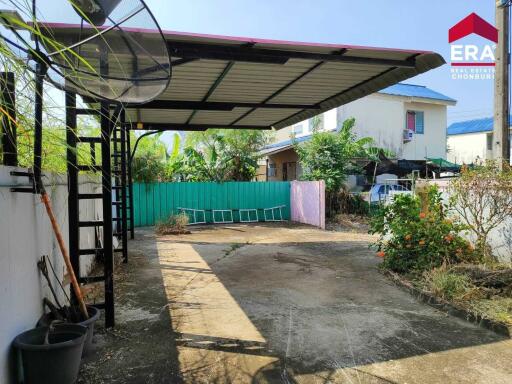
(384, 192)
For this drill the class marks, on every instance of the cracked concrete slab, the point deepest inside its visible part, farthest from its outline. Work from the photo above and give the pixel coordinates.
(280, 304)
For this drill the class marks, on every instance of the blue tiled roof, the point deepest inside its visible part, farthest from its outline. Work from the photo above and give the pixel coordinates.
(472, 126)
(411, 90)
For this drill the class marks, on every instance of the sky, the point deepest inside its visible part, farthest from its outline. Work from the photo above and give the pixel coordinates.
(412, 24)
(409, 24)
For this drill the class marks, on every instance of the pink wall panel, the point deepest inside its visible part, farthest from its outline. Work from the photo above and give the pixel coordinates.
(307, 202)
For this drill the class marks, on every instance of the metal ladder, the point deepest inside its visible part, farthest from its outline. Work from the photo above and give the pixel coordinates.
(103, 250)
(129, 189)
(120, 159)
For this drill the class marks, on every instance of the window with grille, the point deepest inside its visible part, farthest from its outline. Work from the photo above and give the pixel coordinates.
(272, 170)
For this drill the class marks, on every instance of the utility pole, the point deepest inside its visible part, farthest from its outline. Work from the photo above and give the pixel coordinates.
(501, 143)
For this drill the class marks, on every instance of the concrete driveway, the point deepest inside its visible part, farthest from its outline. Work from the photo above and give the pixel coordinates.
(280, 304)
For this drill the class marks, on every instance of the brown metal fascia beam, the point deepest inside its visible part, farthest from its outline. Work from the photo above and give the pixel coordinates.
(213, 106)
(271, 56)
(149, 126)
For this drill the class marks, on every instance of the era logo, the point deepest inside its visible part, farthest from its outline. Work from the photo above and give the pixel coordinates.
(472, 54)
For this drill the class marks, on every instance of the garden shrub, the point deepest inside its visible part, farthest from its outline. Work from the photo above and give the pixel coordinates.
(417, 233)
(174, 225)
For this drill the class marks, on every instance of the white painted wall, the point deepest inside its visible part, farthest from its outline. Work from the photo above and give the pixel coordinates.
(470, 147)
(467, 148)
(433, 142)
(26, 235)
(379, 117)
(382, 117)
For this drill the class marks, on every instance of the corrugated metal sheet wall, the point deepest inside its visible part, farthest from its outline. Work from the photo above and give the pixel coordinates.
(156, 201)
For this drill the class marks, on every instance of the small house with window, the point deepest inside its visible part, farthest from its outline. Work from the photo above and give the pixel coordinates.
(408, 120)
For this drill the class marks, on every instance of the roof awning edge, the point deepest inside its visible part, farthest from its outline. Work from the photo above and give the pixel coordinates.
(391, 76)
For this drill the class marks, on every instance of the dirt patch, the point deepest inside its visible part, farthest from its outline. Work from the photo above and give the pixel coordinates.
(348, 223)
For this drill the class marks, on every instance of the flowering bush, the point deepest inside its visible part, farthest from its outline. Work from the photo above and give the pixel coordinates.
(417, 233)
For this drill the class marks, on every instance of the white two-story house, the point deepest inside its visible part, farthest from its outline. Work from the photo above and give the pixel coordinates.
(408, 120)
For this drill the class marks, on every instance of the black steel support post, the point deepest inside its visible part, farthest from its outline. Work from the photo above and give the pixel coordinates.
(73, 203)
(8, 113)
(130, 184)
(117, 176)
(106, 181)
(38, 126)
(124, 210)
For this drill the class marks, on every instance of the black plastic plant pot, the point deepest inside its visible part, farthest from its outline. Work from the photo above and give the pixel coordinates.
(94, 315)
(56, 362)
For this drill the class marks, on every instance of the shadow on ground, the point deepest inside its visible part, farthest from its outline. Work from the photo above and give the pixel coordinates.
(141, 348)
(280, 304)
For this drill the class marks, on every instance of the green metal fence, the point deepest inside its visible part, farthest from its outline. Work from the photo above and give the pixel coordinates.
(156, 201)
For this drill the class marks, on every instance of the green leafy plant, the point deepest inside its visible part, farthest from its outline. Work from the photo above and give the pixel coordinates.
(149, 162)
(329, 156)
(54, 128)
(222, 155)
(418, 233)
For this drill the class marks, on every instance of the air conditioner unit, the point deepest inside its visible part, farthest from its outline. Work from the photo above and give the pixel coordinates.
(407, 135)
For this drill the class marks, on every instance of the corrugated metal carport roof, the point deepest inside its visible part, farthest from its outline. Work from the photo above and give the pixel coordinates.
(233, 82)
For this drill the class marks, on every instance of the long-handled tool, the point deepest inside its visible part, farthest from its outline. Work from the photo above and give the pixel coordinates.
(68, 312)
(74, 282)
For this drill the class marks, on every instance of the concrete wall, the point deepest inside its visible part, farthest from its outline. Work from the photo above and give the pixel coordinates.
(307, 202)
(26, 235)
(465, 149)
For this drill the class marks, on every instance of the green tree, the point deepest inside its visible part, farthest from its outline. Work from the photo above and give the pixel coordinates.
(150, 160)
(329, 156)
(223, 155)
